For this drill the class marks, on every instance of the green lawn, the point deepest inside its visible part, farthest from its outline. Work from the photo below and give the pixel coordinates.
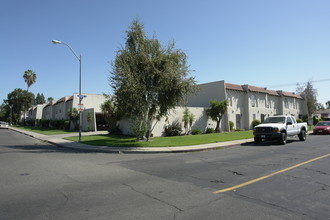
(45, 131)
(124, 141)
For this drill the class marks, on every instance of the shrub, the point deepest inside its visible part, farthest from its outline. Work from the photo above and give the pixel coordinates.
(45, 123)
(173, 130)
(115, 130)
(209, 130)
(196, 131)
(255, 122)
(30, 122)
(66, 125)
(299, 120)
(231, 125)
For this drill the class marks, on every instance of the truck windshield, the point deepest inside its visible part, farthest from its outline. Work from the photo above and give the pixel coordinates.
(275, 120)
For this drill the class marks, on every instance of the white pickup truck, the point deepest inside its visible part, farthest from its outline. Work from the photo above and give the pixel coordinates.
(279, 128)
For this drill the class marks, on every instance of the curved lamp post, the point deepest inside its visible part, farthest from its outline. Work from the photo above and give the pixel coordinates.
(80, 96)
(11, 113)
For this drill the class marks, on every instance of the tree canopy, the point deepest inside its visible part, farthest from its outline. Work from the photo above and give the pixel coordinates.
(50, 99)
(216, 110)
(40, 99)
(310, 93)
(21, 100)
(149, 79)
(30, 78)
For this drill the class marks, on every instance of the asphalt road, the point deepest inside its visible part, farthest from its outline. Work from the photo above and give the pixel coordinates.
(41, 181)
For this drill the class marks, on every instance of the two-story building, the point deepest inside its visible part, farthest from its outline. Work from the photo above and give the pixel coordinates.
(58, 110)
(247, 103)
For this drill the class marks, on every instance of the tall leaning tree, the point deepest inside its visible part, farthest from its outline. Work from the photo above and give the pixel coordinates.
(310, 94)
(148, 79)
(30, 78)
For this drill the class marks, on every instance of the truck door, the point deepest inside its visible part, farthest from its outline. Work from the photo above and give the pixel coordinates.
(290, 127)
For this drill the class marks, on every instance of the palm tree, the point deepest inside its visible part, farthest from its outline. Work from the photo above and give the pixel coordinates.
(30, 78)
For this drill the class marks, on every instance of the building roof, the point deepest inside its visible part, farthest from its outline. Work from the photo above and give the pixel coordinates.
(291, 94)
(234, 87)
(60, 100)
(272, 92)
(70, 98)
(250, 88)
(48, 104)
(257, 89)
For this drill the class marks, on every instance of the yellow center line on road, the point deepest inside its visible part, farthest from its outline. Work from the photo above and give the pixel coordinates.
(270, 175)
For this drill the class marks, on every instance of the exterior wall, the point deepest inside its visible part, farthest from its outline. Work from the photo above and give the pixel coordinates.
(59, 108)
(175, 116)
(92, 103)
(88, 125)
(38, 111)
(236, 108)
(295, 107)
(208, 92)
(35, 112)
(68, 107)
(47, 112)
(247, 103)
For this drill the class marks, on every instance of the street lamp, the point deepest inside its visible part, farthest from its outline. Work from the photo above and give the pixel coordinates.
(11, 113)
(80, 95)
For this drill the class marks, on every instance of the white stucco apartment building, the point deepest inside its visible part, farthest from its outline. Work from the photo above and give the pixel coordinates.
(58, 110)
(247, 103)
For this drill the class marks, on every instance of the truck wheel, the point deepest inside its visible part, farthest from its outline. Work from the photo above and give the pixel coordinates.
(282, 139)
(257, 140)
(302, 135)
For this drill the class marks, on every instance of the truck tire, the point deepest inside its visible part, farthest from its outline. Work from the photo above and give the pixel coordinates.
(302, 135)
(257, 140)
(282, 139)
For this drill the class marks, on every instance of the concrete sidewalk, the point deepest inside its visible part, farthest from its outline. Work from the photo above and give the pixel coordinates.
(59, 141)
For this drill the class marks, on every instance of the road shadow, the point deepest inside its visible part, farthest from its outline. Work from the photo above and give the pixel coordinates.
(40, 148)
(268, 143)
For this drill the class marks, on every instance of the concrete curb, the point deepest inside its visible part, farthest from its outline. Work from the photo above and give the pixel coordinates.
(104, 149)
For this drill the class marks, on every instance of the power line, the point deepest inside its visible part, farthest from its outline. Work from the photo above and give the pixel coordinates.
(294, 84)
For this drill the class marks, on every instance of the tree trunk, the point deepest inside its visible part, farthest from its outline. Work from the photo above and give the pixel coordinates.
(217, 128)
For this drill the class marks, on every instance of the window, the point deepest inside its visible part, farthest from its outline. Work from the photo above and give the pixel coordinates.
(230, 100)
(267, 102)
(286, 103)
(289, 120)
(262, 117)
(254, 101)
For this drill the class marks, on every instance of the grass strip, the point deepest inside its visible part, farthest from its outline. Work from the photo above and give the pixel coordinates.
(45, 131)
(125, 141)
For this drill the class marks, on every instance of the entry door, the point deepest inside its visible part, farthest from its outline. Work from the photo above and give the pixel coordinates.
(238, 121)
(262, 117)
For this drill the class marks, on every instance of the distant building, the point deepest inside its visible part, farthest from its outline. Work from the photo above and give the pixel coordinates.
(58, 110)
(325, 114)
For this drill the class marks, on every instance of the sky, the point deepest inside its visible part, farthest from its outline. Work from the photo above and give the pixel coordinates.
(267, 43)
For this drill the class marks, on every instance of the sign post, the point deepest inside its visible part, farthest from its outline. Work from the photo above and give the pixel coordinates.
(80, 107)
